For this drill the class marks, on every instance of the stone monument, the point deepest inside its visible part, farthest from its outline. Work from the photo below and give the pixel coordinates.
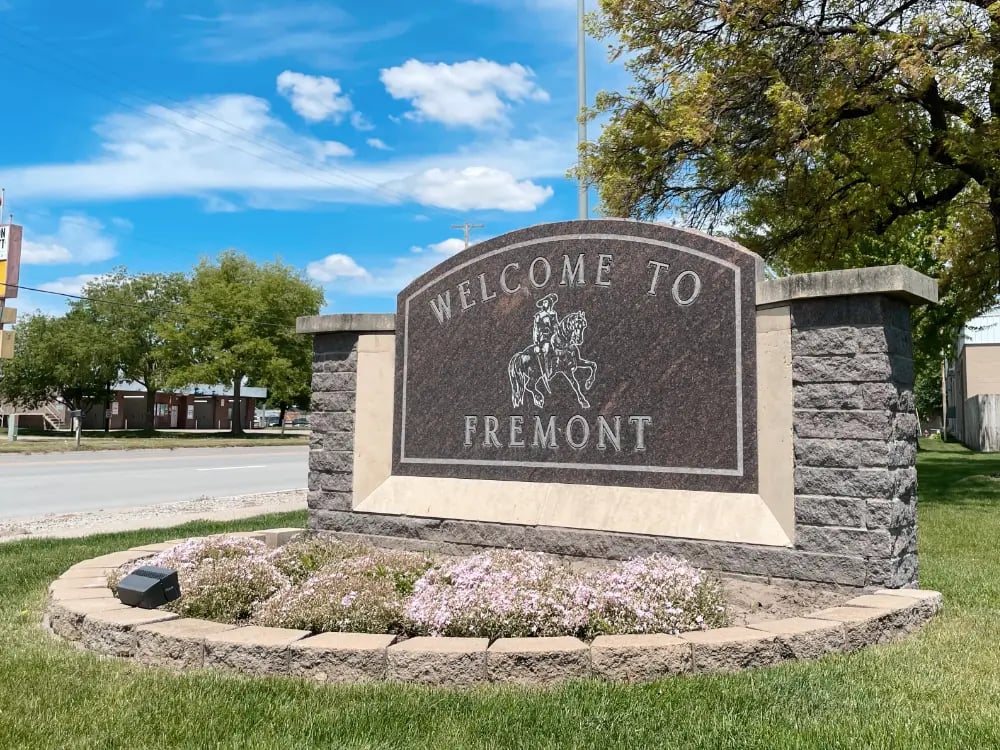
(614, 388)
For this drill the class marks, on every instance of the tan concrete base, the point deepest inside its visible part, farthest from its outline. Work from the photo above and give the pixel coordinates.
(155, 637)
(721, 516)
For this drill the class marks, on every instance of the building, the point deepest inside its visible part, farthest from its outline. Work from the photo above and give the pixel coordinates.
(973, 383)
(196, 407)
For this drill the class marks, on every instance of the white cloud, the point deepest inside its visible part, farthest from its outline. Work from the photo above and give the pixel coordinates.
(215, 204)
(334, 267)
(69, 284)
(343, 275)
(449, 246)
(360, 122)
(256, 159)
(336, 149)
(379, 144)
(79, 239)
(473, 188)
(386, 279)
(317, 33)
(315, 98)
(474, 93)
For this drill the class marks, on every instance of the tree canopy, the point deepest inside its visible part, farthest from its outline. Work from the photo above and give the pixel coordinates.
(135, 315)
(58, 358)
(822, 134)
(239, 323)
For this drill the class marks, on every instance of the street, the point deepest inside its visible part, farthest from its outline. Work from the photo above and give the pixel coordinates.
(34, 485)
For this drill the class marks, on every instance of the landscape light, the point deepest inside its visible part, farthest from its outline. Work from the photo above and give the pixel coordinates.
(149, 587)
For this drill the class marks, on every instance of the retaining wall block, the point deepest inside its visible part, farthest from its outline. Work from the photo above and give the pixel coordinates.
(112, 632)
(275, 538)
(534, 661)
(733, 649)
(252, 649)
(340, 657)
(866, 626)
(439, 661)
(639, 658)
(66, 615)
(176, 643)
(82, 585)
(112, 560)
(806, 638)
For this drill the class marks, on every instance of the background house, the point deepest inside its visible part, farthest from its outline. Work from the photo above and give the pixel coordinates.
(973, 384)
(196, 407)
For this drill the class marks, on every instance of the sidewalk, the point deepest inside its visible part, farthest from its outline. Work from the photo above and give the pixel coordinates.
(153, 516)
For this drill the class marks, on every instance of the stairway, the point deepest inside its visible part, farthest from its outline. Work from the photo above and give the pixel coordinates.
(55, 416)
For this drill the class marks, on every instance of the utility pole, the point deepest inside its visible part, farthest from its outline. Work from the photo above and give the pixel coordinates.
(581, 104)
(944, 400)
(466, 230)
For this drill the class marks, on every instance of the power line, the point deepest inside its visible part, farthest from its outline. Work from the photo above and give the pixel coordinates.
(156, 308)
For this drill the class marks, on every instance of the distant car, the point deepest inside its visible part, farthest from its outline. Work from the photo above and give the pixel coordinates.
(272, 422)
(300, 422)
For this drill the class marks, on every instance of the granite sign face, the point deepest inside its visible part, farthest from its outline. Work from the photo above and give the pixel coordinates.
(600, 352)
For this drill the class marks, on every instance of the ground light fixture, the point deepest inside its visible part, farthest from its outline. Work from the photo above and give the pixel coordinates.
(149, 587)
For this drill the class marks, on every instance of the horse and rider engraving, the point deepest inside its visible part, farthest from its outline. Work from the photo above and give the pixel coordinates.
(555, 350)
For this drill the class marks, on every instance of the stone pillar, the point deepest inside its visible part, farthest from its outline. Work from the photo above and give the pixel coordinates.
(334, 402)
(856, 434)
(855, 427)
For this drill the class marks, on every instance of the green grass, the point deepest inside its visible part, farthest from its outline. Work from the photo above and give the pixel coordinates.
(135, 439)
(938, 689)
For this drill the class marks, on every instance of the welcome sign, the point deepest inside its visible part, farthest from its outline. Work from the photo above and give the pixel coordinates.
(598, 352)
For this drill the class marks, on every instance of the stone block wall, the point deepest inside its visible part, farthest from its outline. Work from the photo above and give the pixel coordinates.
(331, 444)
(856, 435)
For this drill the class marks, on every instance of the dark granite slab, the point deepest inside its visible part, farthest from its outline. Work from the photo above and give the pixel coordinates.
(651, 360)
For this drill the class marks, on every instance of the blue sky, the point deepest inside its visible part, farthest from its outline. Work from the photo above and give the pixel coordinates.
(344, 137)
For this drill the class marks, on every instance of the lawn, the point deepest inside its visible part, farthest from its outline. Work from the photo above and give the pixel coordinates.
(134, 439)
(939, 689)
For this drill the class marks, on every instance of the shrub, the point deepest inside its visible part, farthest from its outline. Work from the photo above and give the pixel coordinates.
(321, 585)
(515, 594)
(332, 601)
(500, 594)
(357, 594)
(221, 578)
(656, 594)
(311, 552)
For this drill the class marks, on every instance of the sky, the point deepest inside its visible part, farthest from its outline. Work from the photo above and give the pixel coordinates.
(345, 138)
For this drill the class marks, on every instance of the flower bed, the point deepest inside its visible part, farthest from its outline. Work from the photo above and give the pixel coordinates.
(321, 585)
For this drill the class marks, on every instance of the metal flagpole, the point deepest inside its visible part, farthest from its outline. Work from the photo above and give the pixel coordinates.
(581, 97)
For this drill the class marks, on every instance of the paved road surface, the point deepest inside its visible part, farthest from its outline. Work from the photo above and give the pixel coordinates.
(68, 483)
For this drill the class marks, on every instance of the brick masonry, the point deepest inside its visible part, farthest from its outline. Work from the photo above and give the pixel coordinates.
(854, 442)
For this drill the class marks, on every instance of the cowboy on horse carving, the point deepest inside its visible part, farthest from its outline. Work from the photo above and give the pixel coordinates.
(555, 350)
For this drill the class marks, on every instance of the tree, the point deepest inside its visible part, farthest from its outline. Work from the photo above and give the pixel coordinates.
(927, 394)
(238, 323)
(289, 382)
(826, 134)
(61, 358)
(133, 313)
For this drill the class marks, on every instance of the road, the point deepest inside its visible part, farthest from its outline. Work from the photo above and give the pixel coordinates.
(33, 485)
